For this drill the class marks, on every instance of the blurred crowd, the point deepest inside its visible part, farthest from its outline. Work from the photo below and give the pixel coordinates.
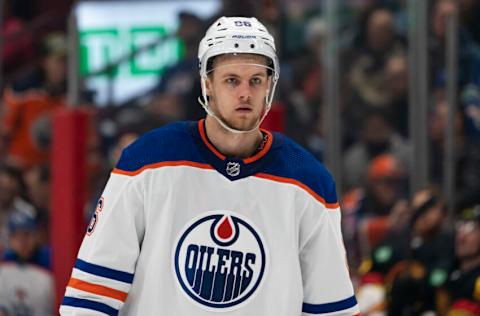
(406, 256)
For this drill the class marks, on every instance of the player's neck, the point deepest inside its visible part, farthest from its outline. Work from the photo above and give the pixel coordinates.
(231, 144)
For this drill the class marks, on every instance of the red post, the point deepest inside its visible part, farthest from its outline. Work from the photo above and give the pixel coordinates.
(67, 192)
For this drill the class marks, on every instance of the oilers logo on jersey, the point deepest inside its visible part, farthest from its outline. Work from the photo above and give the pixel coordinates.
(220, 260)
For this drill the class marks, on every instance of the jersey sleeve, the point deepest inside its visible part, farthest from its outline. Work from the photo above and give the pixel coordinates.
(104, 270)
(326, 283)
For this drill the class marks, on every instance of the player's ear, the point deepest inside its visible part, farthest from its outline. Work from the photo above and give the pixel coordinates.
(208, 86)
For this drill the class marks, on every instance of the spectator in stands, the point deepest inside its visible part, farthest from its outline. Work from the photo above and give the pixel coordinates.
(396, 76)
(29, 102)
(11, 200)
(467, 146)
(378, 137)
(470, 99)
(180, 83)
(17, 46)
(463, 286)
(302, 89)
(26, 290)
(468, 50)
(370, 212)
(467, 154)
(26, 286)
(376, 43)
(470, 15)
(24, 245)
(409, 266)
(37, 180)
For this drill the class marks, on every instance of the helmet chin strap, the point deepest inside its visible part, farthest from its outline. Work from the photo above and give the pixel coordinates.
(224, 124)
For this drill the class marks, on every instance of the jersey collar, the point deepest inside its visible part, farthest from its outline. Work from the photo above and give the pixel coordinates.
(230, 167)
(211, 147)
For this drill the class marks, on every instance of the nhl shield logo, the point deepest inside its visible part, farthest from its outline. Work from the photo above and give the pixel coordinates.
(233, 169)
(220, 261)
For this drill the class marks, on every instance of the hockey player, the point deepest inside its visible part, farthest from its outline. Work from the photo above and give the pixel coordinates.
(217, 215)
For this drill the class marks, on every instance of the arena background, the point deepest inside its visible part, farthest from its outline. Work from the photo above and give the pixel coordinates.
(385, 93)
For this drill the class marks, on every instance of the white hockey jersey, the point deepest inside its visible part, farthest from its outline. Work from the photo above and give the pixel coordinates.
(182, 230)
(25, 289)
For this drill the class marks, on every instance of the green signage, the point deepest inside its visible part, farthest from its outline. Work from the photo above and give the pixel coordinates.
(101, 47)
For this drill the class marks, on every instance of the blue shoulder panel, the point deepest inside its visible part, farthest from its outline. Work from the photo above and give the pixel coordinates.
(175, 142)
(295, 162)
(172, 142)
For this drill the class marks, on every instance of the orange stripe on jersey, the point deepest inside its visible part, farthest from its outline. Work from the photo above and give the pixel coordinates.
(299, 184)
(205, 140)
(264, 150)
(97, 289)
(163, 164)
(257, 156)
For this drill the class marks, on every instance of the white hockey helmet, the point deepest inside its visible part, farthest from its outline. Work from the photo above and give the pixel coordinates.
(237, 35)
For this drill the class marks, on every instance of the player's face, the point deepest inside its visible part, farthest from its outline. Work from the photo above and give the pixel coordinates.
(237, 89)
